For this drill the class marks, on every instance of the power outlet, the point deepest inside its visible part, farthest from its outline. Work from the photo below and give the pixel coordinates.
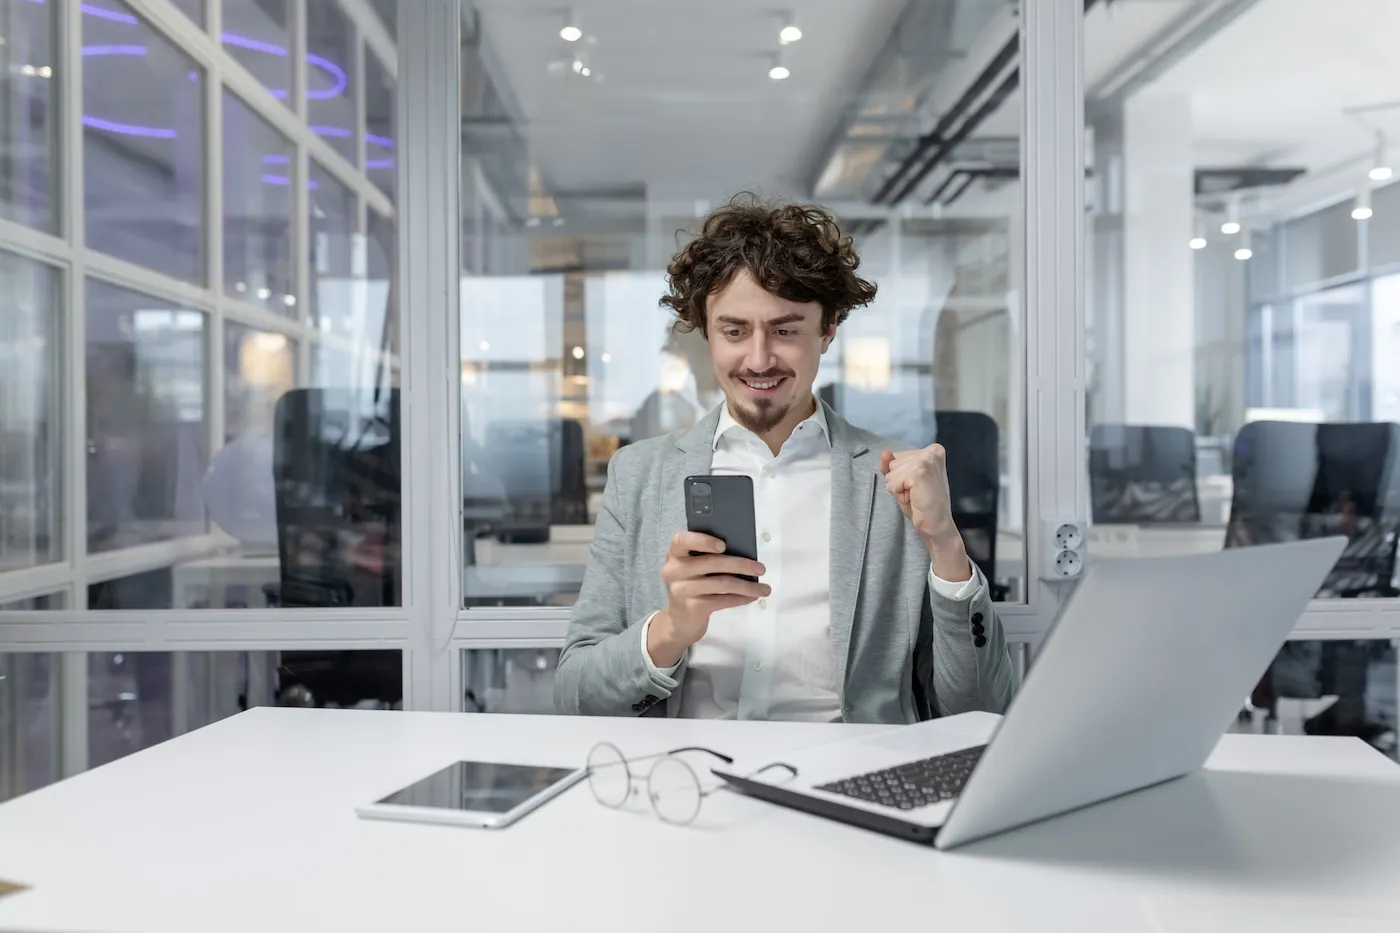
(1066, 548)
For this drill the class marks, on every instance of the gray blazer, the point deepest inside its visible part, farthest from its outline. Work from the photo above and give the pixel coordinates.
(901, 652)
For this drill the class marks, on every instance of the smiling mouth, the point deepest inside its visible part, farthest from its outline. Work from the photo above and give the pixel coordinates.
(763, 386)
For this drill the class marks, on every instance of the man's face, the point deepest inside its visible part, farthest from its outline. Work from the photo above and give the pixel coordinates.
(766, 351)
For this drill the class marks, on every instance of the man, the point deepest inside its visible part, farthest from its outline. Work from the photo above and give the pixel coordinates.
(867, 608)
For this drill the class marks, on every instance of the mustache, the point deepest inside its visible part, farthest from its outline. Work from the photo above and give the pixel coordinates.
(770, 374)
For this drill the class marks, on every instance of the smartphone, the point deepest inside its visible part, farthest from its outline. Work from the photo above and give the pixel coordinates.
(722, 507)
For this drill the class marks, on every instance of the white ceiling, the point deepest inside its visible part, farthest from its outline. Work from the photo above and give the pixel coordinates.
(1272, 86)
(685, 105)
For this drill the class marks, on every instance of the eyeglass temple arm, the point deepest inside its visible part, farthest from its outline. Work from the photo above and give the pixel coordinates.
(700, 748)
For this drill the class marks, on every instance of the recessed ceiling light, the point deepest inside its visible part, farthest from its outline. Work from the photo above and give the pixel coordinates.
(1361, 213)
(1230, 227)
(578, 353)
(778, 72)
(789, 33)
(1243, 253)
(571, 33)
(1198, 242)
(1381, 173)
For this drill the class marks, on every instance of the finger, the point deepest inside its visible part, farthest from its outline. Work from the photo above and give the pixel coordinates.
(886, 458)
(720, 584)
(705, 564)
(684, 543)
(713, 604)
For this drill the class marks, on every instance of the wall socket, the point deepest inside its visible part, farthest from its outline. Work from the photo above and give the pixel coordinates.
(1066, 548)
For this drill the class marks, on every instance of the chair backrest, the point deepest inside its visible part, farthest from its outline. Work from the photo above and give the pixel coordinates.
(1296, 480)
(972, 441)
(541, 465)
(1143, 473)
(337, 476)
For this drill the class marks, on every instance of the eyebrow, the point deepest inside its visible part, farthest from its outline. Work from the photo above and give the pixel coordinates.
(793, 318)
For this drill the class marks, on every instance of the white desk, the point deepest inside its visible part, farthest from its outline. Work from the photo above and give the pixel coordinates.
(249, 824)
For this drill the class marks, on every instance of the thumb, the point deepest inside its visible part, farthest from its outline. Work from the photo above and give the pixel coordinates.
(886, 458)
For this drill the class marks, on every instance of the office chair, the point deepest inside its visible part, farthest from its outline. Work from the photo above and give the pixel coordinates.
(1294, 481)
(972, 441)
(336, 473)
(1143, 474)
(542, 467)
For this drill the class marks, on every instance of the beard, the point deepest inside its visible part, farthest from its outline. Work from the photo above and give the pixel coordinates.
(760, 415)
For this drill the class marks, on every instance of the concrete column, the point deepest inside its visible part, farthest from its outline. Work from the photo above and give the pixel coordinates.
(1158, 281)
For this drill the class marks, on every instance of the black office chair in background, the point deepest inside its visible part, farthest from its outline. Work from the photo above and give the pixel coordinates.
(336, 472)
(1295, 481)
(1141, 474)
(972, 441)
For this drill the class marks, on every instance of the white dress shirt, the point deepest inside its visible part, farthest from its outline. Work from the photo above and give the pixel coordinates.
(772, 659)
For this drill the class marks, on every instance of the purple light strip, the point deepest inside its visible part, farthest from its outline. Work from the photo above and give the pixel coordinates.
(282, 181)
(371, 164)
(128, 129)
(374, 139)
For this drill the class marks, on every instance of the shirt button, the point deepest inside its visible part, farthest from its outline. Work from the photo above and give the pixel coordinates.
(758, 665)
(763, 604)
(766, 537)
(767, 472)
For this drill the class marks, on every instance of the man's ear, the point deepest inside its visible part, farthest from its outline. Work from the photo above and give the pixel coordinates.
(829, 336)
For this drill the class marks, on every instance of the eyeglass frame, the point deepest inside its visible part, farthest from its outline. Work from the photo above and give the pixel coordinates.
(633, 780)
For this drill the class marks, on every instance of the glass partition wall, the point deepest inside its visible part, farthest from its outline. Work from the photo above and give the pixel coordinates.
(212, 214)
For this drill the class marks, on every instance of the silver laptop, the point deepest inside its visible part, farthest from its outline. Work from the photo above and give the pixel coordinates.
(1148, 662)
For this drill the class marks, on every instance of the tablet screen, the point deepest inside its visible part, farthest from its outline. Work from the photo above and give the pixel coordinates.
(478, 786)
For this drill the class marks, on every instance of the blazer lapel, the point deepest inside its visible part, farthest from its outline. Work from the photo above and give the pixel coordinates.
(852, 494)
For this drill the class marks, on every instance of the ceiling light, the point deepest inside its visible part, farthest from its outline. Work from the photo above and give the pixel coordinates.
(789, 33)
(289, 300)
(1362, 209)
(778, 72)
(578, 353)
(578, 66)
(1243, 253)
(572, 31)
(485, 345)
(606, 357)
(1198, 242)
(264, 294)
(45, 71)
(1231, 226)
(1381, 173)
(585, 71)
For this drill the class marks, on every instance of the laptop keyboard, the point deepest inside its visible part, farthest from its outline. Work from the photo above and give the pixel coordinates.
(912, 785)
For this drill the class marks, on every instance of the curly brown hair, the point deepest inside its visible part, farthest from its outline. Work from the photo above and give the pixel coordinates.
(794, 251)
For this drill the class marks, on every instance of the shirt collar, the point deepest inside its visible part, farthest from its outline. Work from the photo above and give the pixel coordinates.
(815, 421)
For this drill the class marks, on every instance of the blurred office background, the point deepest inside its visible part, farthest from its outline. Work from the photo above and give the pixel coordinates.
(200, 394)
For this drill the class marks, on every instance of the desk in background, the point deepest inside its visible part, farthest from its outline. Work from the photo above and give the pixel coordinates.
(249, 824)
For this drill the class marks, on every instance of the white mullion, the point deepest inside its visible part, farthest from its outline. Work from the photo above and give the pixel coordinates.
(260, 318)
(1052, 82)
(73, 712)
(301, 199)
(34, 244)
(170, 631)
(138, 278)
(376, 36)
(74, 326)
(214, 397)
(357, 57)
(30, 582)
(428, 117)
(140, 558)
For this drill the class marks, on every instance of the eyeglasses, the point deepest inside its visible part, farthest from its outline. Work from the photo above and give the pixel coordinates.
(672, 786)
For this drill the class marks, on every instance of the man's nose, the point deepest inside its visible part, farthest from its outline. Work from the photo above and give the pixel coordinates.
(760, 355)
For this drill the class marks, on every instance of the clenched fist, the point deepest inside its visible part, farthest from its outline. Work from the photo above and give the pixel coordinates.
(918, 480)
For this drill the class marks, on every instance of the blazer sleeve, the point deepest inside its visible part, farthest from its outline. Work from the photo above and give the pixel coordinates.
(953, 674)
(602, 670)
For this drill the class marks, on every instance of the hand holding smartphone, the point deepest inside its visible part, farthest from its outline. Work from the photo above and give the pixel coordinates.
(711, 566)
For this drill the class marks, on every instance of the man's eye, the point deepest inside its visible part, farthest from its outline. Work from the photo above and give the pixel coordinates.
(731, 332)
(783, 332)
